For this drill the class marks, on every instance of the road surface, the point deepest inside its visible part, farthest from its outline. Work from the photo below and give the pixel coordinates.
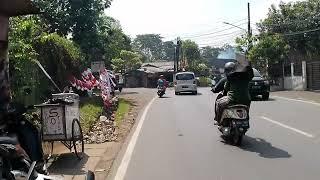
(177, 141)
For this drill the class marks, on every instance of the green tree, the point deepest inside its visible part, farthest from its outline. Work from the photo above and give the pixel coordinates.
(191, 51)
(89, 27)
(115, 40)
(209, 52)
(22, 53)
(69, 16)
(118, 64)
(29, 43)
(201, 69)
(150, 45)
(128, 61)
(168, 50)
(268, 50)
(297, 22)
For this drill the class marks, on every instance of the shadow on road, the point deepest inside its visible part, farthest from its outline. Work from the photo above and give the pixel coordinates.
(189, 94)
(263, 148)
(260, 99)
(164, 97)
(68, 164)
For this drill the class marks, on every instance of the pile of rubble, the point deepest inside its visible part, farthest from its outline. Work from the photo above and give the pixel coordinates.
(105, 129)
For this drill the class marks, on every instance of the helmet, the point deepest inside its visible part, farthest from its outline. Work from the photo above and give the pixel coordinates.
(161, 76)
(229, 67)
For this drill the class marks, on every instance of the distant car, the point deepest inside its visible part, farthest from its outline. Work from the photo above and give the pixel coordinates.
(185, 82)
(259, 86)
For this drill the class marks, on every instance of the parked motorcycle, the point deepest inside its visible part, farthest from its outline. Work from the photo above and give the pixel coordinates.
(161, 91)
(14, 162)
(234, 123)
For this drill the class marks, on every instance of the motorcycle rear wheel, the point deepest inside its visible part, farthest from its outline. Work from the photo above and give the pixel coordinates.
(237, 138)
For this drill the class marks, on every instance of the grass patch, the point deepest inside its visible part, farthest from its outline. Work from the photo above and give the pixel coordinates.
(90, 110)
(122, 110)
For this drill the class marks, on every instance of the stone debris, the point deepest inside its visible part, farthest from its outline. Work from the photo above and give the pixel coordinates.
(105, 129)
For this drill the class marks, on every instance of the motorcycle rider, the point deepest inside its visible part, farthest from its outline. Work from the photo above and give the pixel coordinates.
(162, 82)
(235, 87)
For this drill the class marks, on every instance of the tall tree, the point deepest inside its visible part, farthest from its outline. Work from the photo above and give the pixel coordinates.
(85, 21)
(66, 16)
(29, 42)
(268, 50)
(112, 39)
(168, 50)
(127, 61)
(209, 52)
(150, 45)
(298, 22)
(191, 51)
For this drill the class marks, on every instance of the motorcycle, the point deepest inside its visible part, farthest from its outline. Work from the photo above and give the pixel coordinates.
(161, 91)
(234, 122)
(15, 164)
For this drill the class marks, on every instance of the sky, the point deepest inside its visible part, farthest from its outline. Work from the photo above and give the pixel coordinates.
(199, 20)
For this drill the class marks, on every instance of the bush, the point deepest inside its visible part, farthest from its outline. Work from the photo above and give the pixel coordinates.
(204, 82)
(90, 111)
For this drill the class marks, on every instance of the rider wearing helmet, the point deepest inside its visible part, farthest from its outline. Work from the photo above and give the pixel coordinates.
(161, 81)
(236, 87)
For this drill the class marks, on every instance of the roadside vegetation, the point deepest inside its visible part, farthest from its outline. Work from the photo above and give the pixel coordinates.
(90, 111)
(122, 111)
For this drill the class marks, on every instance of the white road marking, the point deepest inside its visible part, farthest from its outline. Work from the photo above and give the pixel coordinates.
(297, 100)
(287, 127)
(122, 169)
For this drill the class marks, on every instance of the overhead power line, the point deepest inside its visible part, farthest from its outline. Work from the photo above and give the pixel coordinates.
(220, 41)
(301, 32)
(216, 35)
(212, 33)
(293, 22)
(208, 31)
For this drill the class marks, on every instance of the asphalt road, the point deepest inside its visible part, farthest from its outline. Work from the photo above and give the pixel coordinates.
(178, 141)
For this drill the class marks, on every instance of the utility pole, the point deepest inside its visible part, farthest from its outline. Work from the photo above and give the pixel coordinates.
(249, 30)
(174, 59)
(177, 54)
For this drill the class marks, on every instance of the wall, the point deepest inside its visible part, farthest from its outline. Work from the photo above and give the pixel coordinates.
(293, 83)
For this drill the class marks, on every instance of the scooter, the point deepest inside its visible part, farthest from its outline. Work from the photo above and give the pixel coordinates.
(14, 166)
(161, 91)
(234, 123)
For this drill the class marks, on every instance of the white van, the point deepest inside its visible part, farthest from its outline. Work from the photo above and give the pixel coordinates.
(185, 82)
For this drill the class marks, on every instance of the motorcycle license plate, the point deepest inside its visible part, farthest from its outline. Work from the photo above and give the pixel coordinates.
(256, 87)
(185, 87)
(244, 124)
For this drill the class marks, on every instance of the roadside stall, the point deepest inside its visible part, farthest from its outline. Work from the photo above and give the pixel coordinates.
(60, 121)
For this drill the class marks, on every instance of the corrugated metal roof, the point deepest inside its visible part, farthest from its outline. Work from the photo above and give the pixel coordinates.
(158, 67)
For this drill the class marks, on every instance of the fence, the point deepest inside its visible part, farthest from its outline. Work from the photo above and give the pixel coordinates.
(288, 76)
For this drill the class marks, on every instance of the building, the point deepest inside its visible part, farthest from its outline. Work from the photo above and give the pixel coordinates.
(148, 74)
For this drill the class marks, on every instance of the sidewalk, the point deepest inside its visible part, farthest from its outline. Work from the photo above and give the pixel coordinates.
(71, 168)
(299, 95)
(99, 157)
